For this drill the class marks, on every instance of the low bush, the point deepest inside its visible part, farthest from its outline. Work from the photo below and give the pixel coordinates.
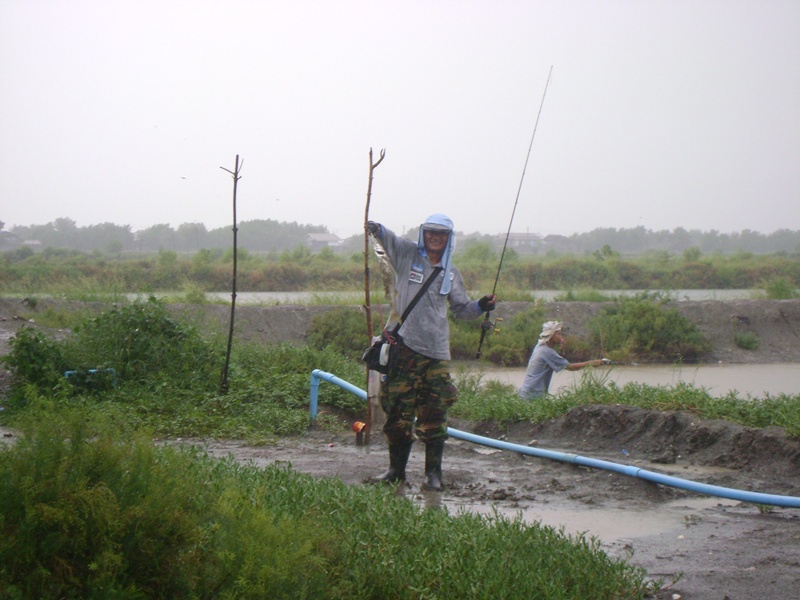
(746, 341)
(140, 365)
(780, 288)
(645, 328)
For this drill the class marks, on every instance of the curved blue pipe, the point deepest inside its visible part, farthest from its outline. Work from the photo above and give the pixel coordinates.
(631, 471)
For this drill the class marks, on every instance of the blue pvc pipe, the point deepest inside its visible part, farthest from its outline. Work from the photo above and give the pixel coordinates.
(316, 375)
(631, 471)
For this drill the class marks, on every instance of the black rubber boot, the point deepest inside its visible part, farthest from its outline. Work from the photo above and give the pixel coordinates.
(398, 459)
(433, 466)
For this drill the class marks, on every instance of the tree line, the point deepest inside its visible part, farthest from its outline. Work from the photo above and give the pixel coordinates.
(267, 235)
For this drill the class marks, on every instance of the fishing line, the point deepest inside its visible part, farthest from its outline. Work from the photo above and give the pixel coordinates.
(521, 179)
(513, 212)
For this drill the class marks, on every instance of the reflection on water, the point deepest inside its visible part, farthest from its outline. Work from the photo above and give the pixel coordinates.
(717, 379)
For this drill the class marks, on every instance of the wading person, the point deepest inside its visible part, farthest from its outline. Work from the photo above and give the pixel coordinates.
(418, 384)
(545, 360)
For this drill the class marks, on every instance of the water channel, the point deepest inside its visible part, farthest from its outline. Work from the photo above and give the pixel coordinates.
(717, 379)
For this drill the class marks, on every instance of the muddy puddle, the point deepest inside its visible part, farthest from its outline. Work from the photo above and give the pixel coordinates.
(607, 524)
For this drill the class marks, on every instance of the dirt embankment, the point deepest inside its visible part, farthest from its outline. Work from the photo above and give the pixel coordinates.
(775, 323)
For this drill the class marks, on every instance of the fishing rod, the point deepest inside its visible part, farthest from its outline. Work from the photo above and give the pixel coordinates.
(487, 323)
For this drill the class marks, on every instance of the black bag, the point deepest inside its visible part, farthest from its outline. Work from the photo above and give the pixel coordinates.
(382, 355)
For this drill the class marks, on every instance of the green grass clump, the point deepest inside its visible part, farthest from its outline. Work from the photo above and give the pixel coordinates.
(583, 296)
(99, 511)
(747, 340)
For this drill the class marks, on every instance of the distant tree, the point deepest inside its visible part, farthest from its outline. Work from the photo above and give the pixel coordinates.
(692, 254)
(97, 237)
(191, 237)
(479, 252)
(157, 237)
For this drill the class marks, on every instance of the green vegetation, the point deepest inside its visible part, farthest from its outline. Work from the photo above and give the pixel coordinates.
(780, 288)
(496, 401)
(98, 511)
(153, 357)
(645, 328)
(640, 328)
(268, 235)
(90, 507)
(747, 340)
(88, 276)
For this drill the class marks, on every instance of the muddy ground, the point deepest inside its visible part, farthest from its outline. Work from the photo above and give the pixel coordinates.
(701, 546)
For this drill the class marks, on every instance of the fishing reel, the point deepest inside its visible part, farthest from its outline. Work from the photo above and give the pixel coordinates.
(489, 325)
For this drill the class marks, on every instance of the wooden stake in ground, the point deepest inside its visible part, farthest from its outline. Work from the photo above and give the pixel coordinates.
(373, 382)
(223, 383)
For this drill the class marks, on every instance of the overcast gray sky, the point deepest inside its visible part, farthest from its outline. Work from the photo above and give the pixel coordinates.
(660, 114)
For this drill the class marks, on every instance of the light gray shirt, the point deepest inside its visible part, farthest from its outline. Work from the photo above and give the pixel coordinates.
(426, 330)
(544, 361)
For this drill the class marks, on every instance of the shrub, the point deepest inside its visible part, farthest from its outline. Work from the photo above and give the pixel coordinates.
(142, 343)
(34, 360)
(643, 327)
(91, 511)
(780, 288)
(747, 340)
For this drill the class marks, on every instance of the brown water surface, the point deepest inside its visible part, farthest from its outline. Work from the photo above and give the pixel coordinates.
(718, 380)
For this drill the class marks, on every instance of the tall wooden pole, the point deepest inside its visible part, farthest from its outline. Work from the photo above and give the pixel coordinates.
(373, 382)
(223, 385)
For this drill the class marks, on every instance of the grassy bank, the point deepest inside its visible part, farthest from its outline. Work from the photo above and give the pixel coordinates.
(82, 275)
(92, 508)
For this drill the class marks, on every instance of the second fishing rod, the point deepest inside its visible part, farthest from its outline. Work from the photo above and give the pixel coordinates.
(487, 323)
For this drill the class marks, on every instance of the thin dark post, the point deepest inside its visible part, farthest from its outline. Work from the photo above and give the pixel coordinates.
(223, 385)
(367, 306)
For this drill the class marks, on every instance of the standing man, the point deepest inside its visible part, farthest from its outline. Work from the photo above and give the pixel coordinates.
(419, 384)
(545, 360)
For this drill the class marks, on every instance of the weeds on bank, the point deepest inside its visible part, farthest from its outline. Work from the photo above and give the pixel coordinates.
(159, 373)
(641, 327)
(90, 507)
(92, 511)
(492, 400)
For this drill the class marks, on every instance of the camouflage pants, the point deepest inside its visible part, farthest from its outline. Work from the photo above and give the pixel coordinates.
(419, 387)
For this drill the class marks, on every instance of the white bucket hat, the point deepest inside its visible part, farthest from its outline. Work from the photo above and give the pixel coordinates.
(440, 222)
(548, 329)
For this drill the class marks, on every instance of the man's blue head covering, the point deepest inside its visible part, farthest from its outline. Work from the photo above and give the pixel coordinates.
(440, 222)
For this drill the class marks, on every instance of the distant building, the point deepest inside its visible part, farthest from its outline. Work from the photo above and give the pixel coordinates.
(521, 242)
(559, 243)
(318, 241)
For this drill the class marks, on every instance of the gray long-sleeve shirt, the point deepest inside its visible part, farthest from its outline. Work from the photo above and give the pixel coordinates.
(426, 329)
